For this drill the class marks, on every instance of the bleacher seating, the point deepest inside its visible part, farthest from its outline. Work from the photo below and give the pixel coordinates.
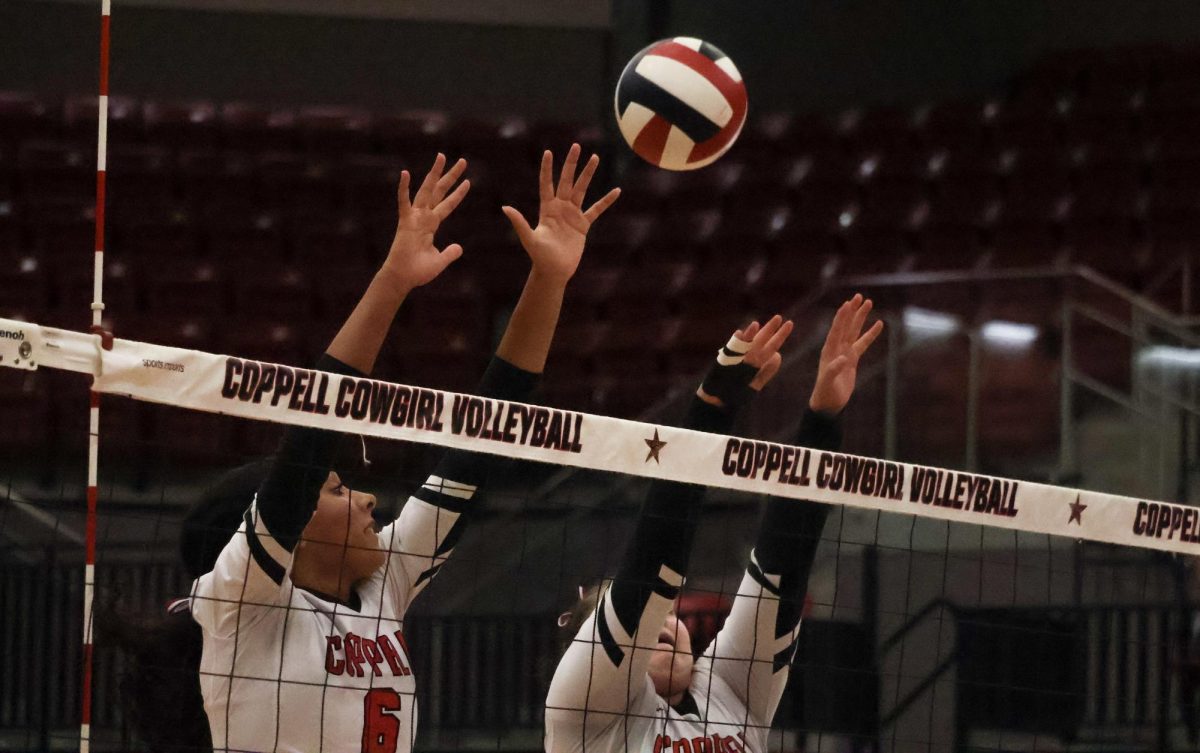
(273, 218)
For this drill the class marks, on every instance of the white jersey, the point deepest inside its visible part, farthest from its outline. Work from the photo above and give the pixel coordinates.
(286, 670)
(602, 701)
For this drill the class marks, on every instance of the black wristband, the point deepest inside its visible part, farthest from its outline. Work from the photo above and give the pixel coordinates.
(729, 378)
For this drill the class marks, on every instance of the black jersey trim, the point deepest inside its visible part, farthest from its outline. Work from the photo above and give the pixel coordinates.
(784, 658)
(428, 574)
(438, 499)
(615, 654)
(759, 577)
(266, 563)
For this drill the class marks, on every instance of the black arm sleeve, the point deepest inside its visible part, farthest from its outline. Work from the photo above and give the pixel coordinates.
(664, 532)
(502, 381)
(791, 528)
(288, 495)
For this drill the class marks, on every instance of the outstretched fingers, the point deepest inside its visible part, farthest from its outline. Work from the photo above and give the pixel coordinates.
(566, 181)
(585, 179)
(449, 179)
(748, 333)
(546, 177)
(424, 195)
(859, 319)
(600, 207)
(451, 202)
(402, 194)
(863, 343)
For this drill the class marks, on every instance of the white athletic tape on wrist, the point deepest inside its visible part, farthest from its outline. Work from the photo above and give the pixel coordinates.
(222, 384)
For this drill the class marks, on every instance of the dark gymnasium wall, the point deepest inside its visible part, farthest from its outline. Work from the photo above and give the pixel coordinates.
(815, 54)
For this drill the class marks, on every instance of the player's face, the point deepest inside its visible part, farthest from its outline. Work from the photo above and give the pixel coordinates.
(341, 533)
(671, 664)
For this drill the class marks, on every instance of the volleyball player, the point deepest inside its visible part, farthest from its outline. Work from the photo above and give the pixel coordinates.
(628, 680)
(302, 611)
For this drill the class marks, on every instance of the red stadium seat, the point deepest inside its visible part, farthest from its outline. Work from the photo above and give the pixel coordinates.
(24, 284)
(326, 241)
(449, 300)
(180, 438)
(192, 332)
(882, 128)
(139, 176)
(55, 170)
(155, 235)
(1111, 245)
(22, 117)
(181, 124)
(336, 130)
(27, 408)
(948, 246)
(265, 339)
(211, 180)
(683, 236)
(247, 126)
(272, 290)
(1109, 190)
(296, 185)
(75, 293)
(62, 230)
(592, 287)
(1017, 243)
(413, 134)
(630, 397)
(958, 126)
(11, 240)
(185, 287)
(247, 235)
(81, 119)
(369, 183)
(645, 293)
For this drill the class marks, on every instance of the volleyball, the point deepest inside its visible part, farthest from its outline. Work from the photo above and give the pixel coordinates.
(680, 103)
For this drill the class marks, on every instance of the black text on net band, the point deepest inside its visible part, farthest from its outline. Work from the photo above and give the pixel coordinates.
(269, 392)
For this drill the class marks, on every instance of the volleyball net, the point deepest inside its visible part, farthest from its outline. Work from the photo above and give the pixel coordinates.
(942, 602)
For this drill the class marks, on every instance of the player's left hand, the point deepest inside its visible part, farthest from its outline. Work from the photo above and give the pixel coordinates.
(555, 246)
(844, 346)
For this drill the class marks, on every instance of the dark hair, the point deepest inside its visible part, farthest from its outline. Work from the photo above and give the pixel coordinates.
(160, 687)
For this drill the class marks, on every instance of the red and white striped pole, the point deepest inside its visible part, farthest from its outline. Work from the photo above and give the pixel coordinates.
(89, 572)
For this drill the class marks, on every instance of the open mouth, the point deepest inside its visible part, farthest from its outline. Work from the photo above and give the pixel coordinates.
(666, 637)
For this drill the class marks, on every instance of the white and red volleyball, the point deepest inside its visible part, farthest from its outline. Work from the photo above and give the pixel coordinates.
(681, 103)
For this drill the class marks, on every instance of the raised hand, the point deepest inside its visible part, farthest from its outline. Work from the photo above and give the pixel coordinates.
(750, 360)
(413, 259)
(844, 346)
(555, 246)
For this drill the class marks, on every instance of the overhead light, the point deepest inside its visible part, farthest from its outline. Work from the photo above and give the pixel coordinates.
(923, 322)
(1166, 355)
(1009, 334)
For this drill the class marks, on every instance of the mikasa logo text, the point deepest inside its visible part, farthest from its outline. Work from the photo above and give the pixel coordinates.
(6, 334)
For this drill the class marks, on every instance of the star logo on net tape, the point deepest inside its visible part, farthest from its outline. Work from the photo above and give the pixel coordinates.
(1077, 509)
(655, 444)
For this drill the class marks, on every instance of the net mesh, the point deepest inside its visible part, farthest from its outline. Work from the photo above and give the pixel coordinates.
(920, 634)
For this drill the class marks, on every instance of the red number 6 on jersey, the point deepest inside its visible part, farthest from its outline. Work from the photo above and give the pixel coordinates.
(381, 729)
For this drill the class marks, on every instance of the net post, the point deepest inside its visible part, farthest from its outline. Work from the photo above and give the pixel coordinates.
(97, 306)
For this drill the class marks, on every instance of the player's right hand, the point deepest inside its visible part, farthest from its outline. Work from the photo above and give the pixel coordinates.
(413, 259)
(748, 362)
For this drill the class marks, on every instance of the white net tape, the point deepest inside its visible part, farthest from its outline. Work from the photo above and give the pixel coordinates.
(288, 395)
